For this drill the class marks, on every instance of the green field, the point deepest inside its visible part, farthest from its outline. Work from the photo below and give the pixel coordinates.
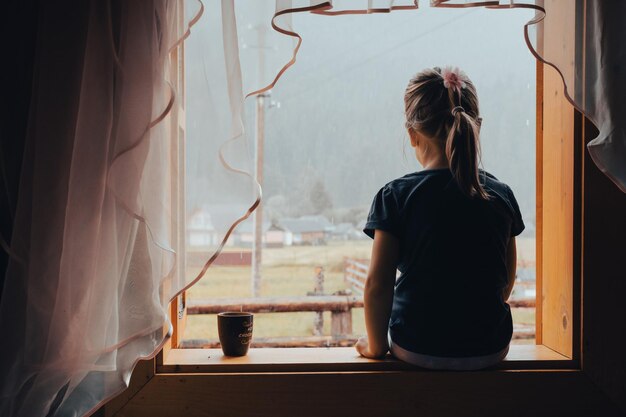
(290, 271)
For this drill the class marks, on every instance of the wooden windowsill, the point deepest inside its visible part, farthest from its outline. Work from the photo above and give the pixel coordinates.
(338, 359)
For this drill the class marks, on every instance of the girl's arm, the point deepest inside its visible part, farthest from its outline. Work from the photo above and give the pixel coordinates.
(511, 266)
(378, 294)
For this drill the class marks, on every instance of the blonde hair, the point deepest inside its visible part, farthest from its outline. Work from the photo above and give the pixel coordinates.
(449, 114)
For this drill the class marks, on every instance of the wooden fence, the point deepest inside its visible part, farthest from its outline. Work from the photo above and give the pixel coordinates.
(197, 258)
(355, 275)
(339, 305)
(273, 342)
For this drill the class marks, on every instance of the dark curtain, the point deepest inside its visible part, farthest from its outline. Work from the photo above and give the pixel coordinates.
(19, 28)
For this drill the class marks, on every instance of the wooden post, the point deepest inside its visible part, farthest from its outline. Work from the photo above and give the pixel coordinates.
(341, 323)
(318, 322)
(319, 280)
(312, 303)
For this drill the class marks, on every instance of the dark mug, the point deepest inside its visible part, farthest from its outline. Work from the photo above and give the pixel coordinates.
(235, 332)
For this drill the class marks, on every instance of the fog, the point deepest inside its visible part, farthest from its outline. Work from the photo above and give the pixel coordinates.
(334, 124)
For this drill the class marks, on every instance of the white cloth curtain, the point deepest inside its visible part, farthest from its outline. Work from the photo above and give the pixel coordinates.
(92, 253)
(95, 244)
(95, 247)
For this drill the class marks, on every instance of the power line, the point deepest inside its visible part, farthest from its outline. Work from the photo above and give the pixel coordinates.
(365, 42)
(338, 73)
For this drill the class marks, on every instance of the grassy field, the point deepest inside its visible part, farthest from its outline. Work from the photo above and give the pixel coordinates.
(290, 271)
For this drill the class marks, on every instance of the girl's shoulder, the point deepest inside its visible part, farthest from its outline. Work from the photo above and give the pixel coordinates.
(416, 185)
(431, 182)
(416, 178)
(493, 184)
(504, 195)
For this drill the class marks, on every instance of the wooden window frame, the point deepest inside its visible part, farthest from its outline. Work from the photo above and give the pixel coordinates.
(557, 353)
(559, 152)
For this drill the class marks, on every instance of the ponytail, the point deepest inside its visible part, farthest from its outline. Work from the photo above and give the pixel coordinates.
(463, 152)
(443, 105)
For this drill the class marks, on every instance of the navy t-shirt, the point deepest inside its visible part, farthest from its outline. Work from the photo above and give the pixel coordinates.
(453, 249)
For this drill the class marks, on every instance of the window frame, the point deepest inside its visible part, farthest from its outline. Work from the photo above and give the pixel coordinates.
(555, 116)
(153, 392)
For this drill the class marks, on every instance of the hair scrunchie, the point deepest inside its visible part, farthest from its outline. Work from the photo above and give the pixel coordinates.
(457, 109)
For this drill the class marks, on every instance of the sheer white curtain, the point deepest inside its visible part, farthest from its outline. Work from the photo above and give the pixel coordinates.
(92, 251)
(95, 250)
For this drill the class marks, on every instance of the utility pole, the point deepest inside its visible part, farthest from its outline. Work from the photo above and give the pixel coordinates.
(257, 246)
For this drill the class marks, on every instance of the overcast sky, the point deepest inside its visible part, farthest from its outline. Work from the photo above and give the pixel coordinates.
(341, 108)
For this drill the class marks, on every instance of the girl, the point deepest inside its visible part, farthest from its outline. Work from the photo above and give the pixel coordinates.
(450, 230)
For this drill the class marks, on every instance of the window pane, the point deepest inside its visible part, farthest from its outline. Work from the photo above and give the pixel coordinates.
(334, 135)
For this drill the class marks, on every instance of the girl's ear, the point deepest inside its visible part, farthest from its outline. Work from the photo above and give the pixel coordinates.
(413, 137)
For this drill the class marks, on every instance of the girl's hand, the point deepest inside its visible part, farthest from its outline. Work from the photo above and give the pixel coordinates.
(363, 347)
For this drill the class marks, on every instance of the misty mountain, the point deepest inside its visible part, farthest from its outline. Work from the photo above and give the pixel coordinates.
(334, 123)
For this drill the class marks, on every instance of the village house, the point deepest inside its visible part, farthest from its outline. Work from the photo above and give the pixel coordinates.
(200, 230)
(347, 231)
(272, 236)
(306, 230)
